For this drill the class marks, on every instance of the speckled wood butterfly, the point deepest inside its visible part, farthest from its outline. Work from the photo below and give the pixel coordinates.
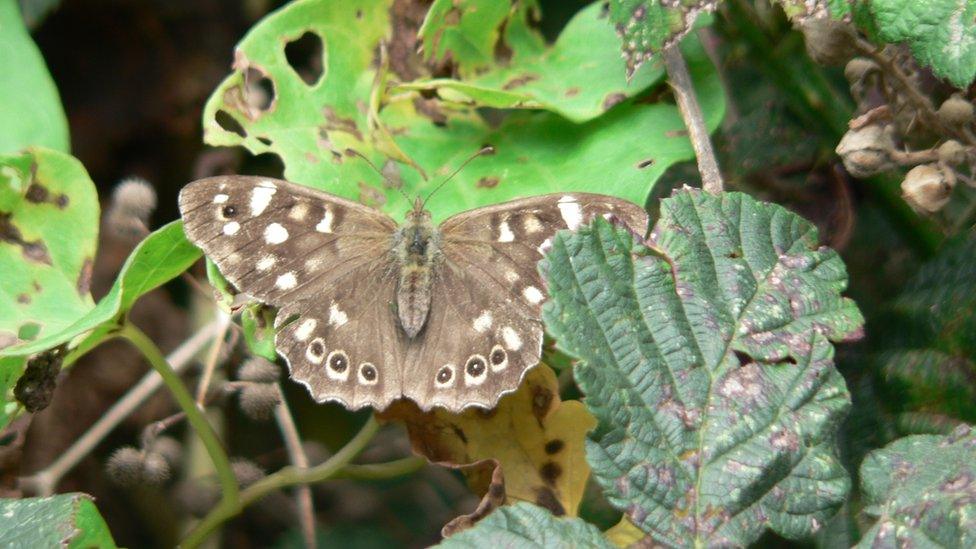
(370, 310)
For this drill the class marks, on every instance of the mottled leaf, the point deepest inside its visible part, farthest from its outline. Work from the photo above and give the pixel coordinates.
(536, 439)
(526, 525)
(30, 108)
(941, 33)
(705, 357)
(801, 10)
(579, 77)
(922, 490)
(646, 27)
(311, 126)
(64, 520)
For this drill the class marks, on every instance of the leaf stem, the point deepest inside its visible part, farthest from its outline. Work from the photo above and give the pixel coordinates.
(298, 458)
(684, 92)
(381, 471)
(286, 476)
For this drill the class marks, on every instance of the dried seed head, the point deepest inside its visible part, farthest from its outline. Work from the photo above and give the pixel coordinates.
(258, 400)
(35, 388)
(955, 111)
(828, 41)
(124, 467)
(246, 472)
(926, 188)
(169, 448)
(952, 152)
(155, 468)
(866, 151)
(258, 370)
(859, 67)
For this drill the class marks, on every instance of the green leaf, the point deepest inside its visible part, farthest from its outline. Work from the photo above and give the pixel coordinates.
(162, 256)
(579, 77)
(921, 489)
(646, 27)
(798, 10)
(48, 236)
(30, 108)
(310, 127)
(64, 520)
(941, 34)
(527, 525)
(705, 357)
(257, 322)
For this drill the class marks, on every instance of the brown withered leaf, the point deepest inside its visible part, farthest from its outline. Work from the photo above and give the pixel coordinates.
(535, 438)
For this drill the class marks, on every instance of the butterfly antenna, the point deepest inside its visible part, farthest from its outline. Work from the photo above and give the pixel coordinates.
(487, 149)
(394, 184)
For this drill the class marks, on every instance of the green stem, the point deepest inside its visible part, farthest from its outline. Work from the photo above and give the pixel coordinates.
(283, 478)
(228, 483)
(381, 471)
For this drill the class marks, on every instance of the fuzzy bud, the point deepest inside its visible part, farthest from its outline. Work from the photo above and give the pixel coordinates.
(952, 152)
(125, 466)
(955, 111)
(246, 472)
(926, 188)
(133, 201)
(169, 448)
(155, 468)
(866, 151)
(258, 370)
(259, 400)
(857, 68)
(828, 41)
(197, 496)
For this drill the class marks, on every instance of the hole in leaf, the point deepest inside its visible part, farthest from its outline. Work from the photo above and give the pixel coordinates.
(260, 90)
(229, 123)
(743, 358)
(265, 141)
(305, 57)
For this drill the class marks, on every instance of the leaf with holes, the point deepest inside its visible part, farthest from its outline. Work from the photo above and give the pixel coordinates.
(579, 77)
(26, 87)
(48, 235)
(922, 490)
(526, 525)
(311, 126)
(64, 520)
(705, 356)
(941, 34)
(536, 440)
(646, 27)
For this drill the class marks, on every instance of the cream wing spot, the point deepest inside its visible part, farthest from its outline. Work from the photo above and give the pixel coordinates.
(483, 322)
(275, 234)
(266, 263)
(511, 276)
(305, 329)
(337, 317)
(513, 342)
(368, 374)
(325, 226)
(220, 198)
(533, 295)
(445, 376)
(260, 198)
(505, 233)
(531, 224)
(571, 211)
(298, 211)
(286, 281)
(232, 228)
(475, 370)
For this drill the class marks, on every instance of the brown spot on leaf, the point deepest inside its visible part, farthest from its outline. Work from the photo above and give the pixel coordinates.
(335, 122)
(61, 201)
(545, 497)
(487, 183)
(572, 92)
(406, 17)
(85, 277)
(645, 163)
(370, 196)
(23, 299)
(431, 109)
(32, 250)
(554, 446)
(612, 100)
(36, 193)
(676, 133)
(541, 402)
(550, 472)
(459, 433)
(520, 80)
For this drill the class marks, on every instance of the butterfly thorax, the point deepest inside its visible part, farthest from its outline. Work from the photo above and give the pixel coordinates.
(416, 248)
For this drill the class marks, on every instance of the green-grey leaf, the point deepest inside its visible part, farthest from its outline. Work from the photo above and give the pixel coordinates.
(64, 520)
(48, 236)
(162, 256)
(799, 10)
(705, 357)
(922, 489)
(30, 108)
(646, 27)
(580, 76)
(941, 33)
(310, 127)
(527, 525)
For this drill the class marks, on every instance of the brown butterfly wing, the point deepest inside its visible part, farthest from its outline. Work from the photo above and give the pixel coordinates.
(324, 261)
(488, 295)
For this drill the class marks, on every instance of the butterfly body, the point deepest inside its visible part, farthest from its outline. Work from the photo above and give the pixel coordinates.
(370, 310)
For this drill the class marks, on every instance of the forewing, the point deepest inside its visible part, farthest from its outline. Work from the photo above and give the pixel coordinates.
(488, 296)
(278, 241)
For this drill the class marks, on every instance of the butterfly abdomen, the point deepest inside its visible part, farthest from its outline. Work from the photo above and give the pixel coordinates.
(416, 249)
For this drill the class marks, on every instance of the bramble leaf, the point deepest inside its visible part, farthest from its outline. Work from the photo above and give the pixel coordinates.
(26, 87)
(705, 357)
(64, 520)
(922, 489)
(526, 525)
(646, 27)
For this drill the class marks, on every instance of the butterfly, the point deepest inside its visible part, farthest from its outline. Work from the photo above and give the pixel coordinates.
(371, 310)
